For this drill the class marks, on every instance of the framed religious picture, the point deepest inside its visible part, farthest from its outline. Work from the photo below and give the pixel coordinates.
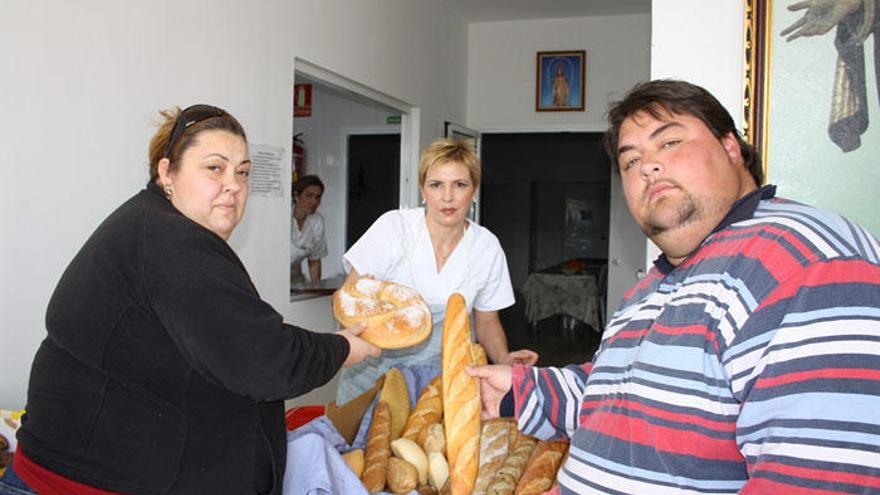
(559, 81)
(810, 101)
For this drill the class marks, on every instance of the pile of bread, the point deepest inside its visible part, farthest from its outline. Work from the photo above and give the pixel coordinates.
(442, 446)
(5, 454)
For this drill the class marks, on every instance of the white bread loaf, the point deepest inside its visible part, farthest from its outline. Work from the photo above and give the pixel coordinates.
(396, 316)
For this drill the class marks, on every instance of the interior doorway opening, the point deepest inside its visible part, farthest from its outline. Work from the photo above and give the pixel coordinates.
(339, 110)
(547, 198)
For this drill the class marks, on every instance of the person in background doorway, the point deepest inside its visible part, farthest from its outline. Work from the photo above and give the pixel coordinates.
(747, 361)
(163, 370)
(437, 250)
(307, 238)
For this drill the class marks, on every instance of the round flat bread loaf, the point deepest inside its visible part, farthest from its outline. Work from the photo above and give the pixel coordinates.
(396, 316)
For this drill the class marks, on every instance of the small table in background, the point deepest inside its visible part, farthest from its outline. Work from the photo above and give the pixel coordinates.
(574, 293)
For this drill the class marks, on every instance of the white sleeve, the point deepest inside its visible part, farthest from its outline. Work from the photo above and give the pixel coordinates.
(497, 293)
(380, 248)
(319, 247)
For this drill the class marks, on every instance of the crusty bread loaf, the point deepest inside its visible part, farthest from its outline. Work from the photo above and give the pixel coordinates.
(378, 449)
(396, 316)
(541, 470)
(461, 399)
(511, 470)
(395, 393)
(429, 409)
(480, 357)
(494, 447)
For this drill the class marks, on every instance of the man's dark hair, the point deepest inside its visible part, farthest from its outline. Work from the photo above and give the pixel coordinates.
(678, 97)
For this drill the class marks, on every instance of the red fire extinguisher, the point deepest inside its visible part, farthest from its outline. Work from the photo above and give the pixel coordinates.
(298, 158)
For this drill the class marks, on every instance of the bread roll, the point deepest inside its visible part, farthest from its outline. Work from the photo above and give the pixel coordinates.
(542, 467)
(378, 449)
(396, 395)
(511, 470)
(494, 447)
(402, 476)
(407, 450)
(461, 399)
(438, 470)
(355, 460)
(427, 490)
(396, 316)
(433, 439)
(429, 409)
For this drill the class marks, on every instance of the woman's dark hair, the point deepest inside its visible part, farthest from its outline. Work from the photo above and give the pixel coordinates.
(678, 97)
(306, 181)
(179, 129)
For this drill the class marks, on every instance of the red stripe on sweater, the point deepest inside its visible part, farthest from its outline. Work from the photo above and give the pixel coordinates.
(551, 389)
(775, 257)
(816, 474)
(691, 419)
(831, 374)
(853, 271)
(763, 486)
(662, 438)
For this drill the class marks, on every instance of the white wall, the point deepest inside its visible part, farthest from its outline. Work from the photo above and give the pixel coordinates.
(325, 133)
(501, 69)
(82, 83)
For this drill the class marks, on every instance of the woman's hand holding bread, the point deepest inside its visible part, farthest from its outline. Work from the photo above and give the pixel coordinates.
(358, 348)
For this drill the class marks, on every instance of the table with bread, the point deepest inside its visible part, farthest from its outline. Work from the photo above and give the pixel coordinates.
(441, 445)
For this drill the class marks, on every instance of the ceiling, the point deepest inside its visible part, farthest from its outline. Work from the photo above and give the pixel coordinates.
(514, 10)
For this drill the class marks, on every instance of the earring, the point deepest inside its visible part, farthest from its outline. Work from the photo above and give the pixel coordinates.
(168, 190)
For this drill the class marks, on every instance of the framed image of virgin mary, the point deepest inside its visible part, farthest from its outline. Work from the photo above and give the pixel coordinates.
(559, 84)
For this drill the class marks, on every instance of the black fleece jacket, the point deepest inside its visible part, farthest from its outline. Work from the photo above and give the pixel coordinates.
(163, 371)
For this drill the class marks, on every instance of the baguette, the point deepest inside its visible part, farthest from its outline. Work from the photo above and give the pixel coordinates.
(461, 399)
(395, 393)
(494, 447)
(541, 470)
(480, 357)
(378, 449)
(511, 470)
(429, 409)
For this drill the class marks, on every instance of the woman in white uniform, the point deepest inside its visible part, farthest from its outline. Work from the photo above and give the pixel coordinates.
(437, 251)
(307, 239)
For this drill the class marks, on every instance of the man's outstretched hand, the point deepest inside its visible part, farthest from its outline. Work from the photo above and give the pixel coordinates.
(495, 382)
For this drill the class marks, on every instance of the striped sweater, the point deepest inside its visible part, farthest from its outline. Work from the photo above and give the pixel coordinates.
(752, 367)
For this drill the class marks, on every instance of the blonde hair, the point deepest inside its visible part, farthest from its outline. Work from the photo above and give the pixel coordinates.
(446, 150)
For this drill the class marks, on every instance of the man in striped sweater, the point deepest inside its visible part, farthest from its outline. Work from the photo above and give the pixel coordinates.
(747, 360)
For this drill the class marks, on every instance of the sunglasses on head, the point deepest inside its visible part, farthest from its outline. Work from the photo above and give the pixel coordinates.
(189, 116)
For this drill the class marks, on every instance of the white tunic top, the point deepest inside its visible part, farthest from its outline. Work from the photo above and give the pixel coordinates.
(310, 242)
(397, 248)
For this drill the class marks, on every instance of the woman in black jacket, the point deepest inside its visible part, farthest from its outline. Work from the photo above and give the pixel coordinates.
(163, 371)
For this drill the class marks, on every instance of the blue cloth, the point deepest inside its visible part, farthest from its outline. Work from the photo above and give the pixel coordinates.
(11, 484)
(314, 464)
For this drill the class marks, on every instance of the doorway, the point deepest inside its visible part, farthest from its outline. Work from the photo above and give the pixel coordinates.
(373, 181)
(546, 196)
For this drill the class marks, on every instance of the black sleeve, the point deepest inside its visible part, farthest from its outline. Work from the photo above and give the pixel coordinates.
(206, 301)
